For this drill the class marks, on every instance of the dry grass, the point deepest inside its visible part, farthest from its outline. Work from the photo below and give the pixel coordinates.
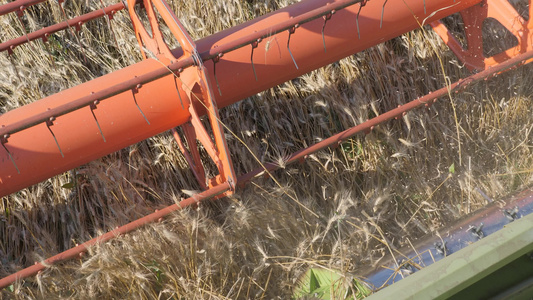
(257, 244)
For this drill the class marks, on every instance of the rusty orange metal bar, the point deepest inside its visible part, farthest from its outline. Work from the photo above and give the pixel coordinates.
(77, 251)
(19, 6)
(46, 142)
(44, 33)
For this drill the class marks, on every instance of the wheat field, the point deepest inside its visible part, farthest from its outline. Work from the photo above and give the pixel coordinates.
(406, 179)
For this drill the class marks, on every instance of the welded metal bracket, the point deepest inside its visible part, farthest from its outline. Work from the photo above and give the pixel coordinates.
(149, 42)
(198, 89)
(473, 17)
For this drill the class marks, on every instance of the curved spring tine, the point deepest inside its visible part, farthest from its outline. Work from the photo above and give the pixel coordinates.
(291, 31)
(254, 45)
(3, 141)
(176, 77)
(361, 4)
(382, 12)
(133, 92)
(48, 50)
(326, 18)
(49, 124)
(19, 14)
(109, 24)
(216, 59)
(93, 107)
(59, 2)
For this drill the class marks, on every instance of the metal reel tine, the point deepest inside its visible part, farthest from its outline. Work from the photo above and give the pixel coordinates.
(93, 107)
(3, 141)
(19, 18)
(72, 30)
(49, 124)
(216, 59)
(326, 19)
(176, 78)
(382, 12)
(109, 24)
(254, 45)
(133, 92)
(291, 31)
(48, 50)
(361, 4)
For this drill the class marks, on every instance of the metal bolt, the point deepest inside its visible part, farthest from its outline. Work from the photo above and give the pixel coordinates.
(406, 267)
(477, 230)
(441, 248)
(511, 214)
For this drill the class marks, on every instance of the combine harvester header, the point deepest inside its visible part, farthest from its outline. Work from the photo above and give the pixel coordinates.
(176, 87)
(155, 95)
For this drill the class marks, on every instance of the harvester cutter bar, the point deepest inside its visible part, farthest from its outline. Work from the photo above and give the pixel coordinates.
(450, 239)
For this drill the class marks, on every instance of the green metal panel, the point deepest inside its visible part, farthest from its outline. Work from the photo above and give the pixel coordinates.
(500, 281)
(499, 264)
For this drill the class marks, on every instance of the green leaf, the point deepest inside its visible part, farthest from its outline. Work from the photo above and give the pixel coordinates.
(11, 288)
(313, 281)
(451, 169)
(362, 290)
(321, 283)
(68, 185)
